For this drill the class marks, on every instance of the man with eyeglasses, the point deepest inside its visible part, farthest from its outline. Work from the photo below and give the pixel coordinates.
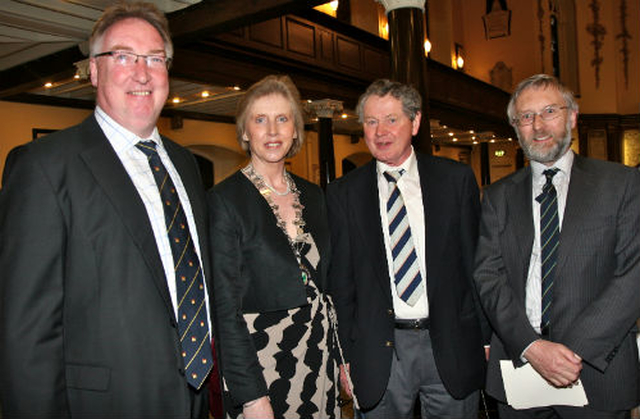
(558, 265)
(107, 308)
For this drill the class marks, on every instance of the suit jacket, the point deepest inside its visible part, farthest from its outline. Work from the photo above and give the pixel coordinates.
(360, 284)
(253, 257)
(87, 327)
(596, 295)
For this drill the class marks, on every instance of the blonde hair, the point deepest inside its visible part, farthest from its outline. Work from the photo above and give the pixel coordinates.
(280, 85)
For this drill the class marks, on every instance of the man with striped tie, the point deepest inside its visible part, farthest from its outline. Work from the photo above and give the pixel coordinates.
(404, 230)
(558, 265)
(104, 302)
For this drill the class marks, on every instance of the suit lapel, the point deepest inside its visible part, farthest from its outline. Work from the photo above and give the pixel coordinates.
(435, 218)
(574, 212)
(519, 208)
(367, 208)
(184, 165)
(111, 176)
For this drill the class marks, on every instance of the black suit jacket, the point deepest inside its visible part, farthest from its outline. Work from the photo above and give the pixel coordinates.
(360, 284)
(87, 327)
(252, 256)
(596, 297)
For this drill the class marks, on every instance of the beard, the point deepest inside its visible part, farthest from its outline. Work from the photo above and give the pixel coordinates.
(543, 153)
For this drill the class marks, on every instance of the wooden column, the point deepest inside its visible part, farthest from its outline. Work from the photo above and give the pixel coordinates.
(324, 110)
(408, 60)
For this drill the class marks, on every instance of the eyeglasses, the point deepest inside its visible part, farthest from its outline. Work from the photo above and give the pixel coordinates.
(129, 59)
(547, 114)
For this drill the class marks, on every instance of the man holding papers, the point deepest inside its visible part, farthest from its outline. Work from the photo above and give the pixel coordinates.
(558, 270)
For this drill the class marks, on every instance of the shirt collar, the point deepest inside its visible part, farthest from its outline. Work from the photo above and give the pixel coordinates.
(410, 165)
(120, 137)
(564, 163)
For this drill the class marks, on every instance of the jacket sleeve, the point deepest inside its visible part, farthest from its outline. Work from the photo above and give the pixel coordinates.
(469, 222)
(32, 249)
(240, 367)
(505, 312)
(607, 320)
(341, 285)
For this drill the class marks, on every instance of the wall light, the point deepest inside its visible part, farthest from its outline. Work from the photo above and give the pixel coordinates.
(427, 47)
(459, 57)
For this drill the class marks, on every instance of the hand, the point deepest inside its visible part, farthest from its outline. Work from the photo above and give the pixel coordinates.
(258, 409)
(556, 363)
(344, 370)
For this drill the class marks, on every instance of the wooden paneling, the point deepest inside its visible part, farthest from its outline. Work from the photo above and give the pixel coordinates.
(301, 37)
(268, 32)
(348, 53)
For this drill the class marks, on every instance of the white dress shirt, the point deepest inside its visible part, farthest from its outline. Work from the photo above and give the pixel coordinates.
(409, 185)
(136, 163)
(534, 277)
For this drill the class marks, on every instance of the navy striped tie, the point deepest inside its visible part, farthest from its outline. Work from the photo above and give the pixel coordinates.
(192, 312)
(549, 239)
(408, 279)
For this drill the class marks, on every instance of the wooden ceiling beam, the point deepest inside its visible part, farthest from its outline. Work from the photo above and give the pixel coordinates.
(214, 17)
(202, 19)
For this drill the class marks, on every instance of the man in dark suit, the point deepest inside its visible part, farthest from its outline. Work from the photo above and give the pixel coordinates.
(104, 311)
(558, 263)
(408, 318)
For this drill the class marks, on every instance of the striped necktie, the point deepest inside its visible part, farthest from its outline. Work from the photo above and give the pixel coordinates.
(192, 312)
(549, 239)
(408, 279)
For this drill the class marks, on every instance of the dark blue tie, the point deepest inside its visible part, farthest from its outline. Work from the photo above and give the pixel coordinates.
(549, 239)
(192, 311)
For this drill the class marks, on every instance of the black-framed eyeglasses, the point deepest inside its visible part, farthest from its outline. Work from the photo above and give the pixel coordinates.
(547, 114)
(129, 59)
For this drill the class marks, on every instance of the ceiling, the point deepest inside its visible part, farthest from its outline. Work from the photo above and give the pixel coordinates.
(33, 29)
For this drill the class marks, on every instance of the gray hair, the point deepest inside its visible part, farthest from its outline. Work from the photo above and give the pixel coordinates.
(126, 10)
(407, 95)
(539, 81)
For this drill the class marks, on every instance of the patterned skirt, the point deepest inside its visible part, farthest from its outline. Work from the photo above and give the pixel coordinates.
(294, 349)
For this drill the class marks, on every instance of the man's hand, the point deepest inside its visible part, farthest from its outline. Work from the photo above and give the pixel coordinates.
(258, 409)
(558, 364)
(344, 370)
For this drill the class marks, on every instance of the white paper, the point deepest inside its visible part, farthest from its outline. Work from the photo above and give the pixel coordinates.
(525, 389)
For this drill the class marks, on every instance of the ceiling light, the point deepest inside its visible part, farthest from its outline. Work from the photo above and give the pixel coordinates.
(204, 94)
(175, 100)
(48, 85)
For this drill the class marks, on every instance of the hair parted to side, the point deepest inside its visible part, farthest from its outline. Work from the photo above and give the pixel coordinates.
(270, 85)
(407, 95)
(130, 10)
(539, 81)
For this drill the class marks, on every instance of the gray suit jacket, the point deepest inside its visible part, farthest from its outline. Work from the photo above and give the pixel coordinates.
(596, 298)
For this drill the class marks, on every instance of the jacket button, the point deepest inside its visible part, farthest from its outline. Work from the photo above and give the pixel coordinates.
(390, 311)
(388, 344)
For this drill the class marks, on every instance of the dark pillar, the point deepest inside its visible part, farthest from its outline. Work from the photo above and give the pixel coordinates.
(408, 61)
(343, 14)
(485, 165)
(325, 109)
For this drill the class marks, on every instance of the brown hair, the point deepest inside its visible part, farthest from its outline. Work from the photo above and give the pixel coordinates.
(127, 10)
(280, 85)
